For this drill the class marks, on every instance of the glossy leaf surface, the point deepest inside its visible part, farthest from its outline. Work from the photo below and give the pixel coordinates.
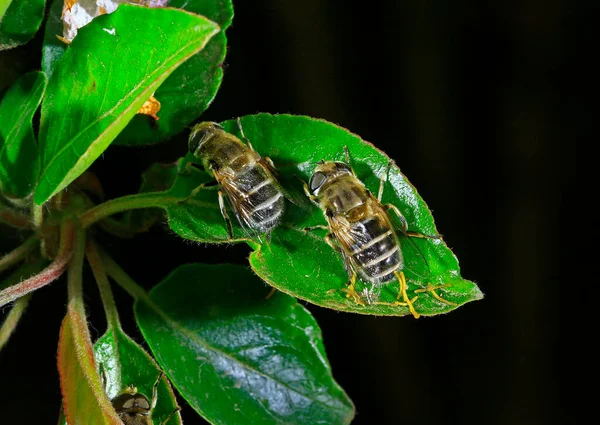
(84, 400)
(110, 69)
(185, 94)
(236, 355)
(301, 263)
(19, 162)
(20, 22)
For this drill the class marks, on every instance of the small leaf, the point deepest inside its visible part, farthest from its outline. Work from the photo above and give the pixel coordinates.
(238, 356)
(123, 362)
(185, 94)
(20, 22)
(93, 92)
(19, 162)
(84, 399)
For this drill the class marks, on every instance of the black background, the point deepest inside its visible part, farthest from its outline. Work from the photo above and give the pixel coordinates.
(479, 105)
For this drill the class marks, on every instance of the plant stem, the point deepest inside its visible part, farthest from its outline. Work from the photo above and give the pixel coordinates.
(18, 254)
(110, 308)
(38, 215)
(74, 275)
(12, 319)
(68, 233)
(14, 218)
(130, 202)
(126, 282)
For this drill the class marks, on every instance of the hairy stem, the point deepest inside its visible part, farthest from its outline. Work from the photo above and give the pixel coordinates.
(126, 282)
(74, 274)
(38, 215)
(14, 218)
(125, 203)
(12, 319)
(18, 254)
(68, 233)
(108, 301)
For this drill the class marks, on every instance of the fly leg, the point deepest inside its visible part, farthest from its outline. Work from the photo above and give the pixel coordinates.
(350, 291)
(404, 295)
(177, 409)
(431, 288)
(310, 196)
(225, 215)
(155, 399)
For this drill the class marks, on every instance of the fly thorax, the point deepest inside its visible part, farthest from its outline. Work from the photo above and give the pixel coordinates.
(220, 153)
(342, 197)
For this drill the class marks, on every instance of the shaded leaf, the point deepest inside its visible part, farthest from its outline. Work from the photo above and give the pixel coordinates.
(237, 356)
(93, 92)
(20, 22)
(19, 161)
(84, 400)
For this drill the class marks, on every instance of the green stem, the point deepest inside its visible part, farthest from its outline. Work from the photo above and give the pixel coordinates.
(38, 215)
(108, 301)
(130, 202)
(75, 276)
(68, 233)
(123, 279)
(12, 319)
(14, 218)
(18, 254)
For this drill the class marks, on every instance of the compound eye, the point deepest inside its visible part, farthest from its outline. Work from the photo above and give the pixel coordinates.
(316, 181)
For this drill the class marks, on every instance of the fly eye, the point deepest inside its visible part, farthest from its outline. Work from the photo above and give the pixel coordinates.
(316, 181)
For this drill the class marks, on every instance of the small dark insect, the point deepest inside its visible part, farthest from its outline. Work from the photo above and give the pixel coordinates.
(247, 180)
(134, 408)
(361, 230)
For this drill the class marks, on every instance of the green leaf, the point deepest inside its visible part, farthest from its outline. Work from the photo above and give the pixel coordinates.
(20, 22)
(185, 95)
(19, 162)
(84, 399)
(110, 69)
(123, 362)
(236, 355)
(301, 263)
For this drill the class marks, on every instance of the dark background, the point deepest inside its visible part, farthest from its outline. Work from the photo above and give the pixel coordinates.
(480, 106)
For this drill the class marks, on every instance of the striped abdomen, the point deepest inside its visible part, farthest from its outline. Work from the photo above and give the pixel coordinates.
(376, 253)
(262, 200)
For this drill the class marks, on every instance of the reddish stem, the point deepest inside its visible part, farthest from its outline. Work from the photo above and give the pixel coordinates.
(14, 218)
(68, 232)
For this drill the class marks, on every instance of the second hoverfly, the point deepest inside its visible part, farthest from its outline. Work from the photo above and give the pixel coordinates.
(361, 230)
(246, 179)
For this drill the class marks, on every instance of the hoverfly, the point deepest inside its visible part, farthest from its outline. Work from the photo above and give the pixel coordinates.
(361, 229)
(134, 408)
(247, 180)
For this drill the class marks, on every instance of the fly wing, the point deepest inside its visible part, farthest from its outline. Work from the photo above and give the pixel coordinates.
(237, 201)
(349, 236)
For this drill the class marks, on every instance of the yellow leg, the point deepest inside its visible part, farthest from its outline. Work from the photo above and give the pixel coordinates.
(404, 295)
(270, 294)
(351, 292)
(431, 288)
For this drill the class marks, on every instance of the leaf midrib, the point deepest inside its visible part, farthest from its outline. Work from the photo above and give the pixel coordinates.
(178, 327)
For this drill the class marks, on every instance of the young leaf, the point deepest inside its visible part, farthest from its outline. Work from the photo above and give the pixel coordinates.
(84, 399)
(301, 263)
(93, 92)
(19, 21)
(122, 362)
(19, 162)
(185, 94)
(237, 355)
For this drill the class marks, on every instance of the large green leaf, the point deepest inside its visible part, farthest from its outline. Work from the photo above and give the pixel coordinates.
(236, 355)
(19, 163)
(20, 22)
(123, 362)
(301, 263)
(185, 94)
(111, 68)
